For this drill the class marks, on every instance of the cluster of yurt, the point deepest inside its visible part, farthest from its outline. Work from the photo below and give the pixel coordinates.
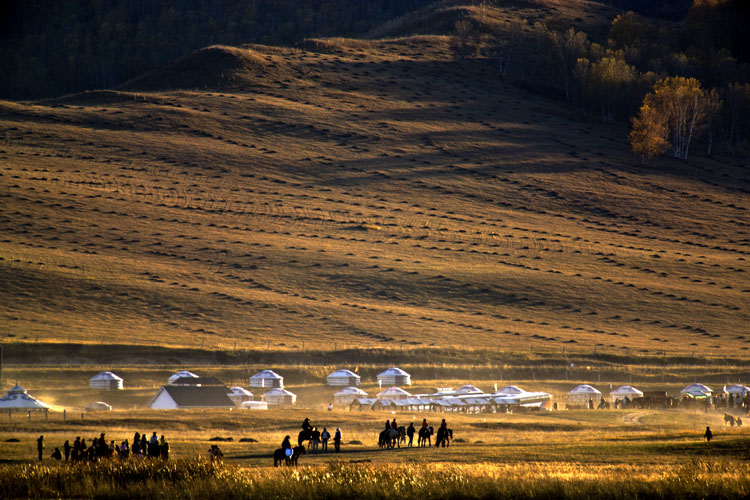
(347, 395)
(106, 381)
(276, 395)
(239, 395)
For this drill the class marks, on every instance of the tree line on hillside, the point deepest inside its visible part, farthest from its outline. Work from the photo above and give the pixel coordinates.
(50, 48)
(675, 81)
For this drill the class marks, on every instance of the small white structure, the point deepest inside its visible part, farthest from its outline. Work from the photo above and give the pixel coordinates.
(99, 406)
(393, 377)
(625, 391)
(696, 391)
(176, 397)
(738, 390)
(511, 389)
(267, 378)
(345, 378)
(468, 389)
(582, 394)
(18, 399)
(240, 395)
(254, 405)
(179, 375)
(393, 394)
(106, 381)
(347, 395)
(279, 397)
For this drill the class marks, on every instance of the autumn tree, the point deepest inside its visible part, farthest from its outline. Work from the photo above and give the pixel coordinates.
(649, 135)
(463, 41)
(734, 123)
(682, 104)
(567, 46)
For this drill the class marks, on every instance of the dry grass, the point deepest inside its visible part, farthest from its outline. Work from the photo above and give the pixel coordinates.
(369, 194)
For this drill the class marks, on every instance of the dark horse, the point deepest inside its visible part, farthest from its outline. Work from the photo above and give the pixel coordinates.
(389, 438)
(279, 456)
(304, 435)
(444, 437)
(424, 436)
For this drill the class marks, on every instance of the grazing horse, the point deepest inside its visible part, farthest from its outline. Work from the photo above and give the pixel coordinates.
(304, 435)
(728, 419)
(443, 437)
(280, 455)
(424, 436)
(388, 439)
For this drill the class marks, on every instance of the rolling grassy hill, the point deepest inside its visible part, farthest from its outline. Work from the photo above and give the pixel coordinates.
(359, 193)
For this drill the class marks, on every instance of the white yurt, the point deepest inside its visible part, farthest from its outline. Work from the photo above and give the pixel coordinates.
(239, 395)
(581, 394)
(106, 381)
(347, 395)
(346, 378)
(393, 394)
(99, 406)
(511, 389)
(738, 390)
(625, 391)
(468, 389)
(279, 397)
(181, 374)
(18, 399)
(267, 378)
(393, 377)
(696, 391)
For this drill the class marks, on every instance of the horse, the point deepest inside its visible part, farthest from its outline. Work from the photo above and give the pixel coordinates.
(443, 437)
(424, 436)
(728, 419)
(280, 455)
(304, 435)
(388, 438)
(401, 436)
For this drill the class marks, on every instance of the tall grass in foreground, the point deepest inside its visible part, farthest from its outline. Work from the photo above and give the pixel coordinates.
(202, 479)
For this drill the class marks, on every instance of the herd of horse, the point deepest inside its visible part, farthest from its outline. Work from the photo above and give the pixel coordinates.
(388, 439)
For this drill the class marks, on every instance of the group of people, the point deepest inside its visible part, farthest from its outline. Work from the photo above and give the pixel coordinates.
(411, 430)
(317, 438)
(98, 448)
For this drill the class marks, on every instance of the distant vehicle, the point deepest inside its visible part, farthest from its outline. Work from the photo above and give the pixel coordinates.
(99, 406)
(254, 405)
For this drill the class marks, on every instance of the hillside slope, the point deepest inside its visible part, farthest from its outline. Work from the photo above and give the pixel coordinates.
(357, 193)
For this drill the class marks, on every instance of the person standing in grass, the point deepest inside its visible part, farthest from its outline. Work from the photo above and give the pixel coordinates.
(337, 440)
(67, 447)
(708, 434)
(324, 437)
(315, 439)
(410, 432)
(40, 446)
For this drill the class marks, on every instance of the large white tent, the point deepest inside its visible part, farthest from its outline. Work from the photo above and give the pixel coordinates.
(346, 378)
(696, 391)
(179, 375)
(393, 394)
(19, 399)
(738, 390)
(107, 381)
(347, 395)
(267, 378)
(279, 397)
(393, 377)
(582, 394)
(625, 391)
(239, 395)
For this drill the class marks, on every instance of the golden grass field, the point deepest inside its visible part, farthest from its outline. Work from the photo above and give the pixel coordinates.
(370, 202)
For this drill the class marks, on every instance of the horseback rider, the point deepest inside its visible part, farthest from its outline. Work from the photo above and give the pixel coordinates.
(424, 423)
(443, 425)
(394, 425)
(387, 424)
(306, 425)
(286, 445)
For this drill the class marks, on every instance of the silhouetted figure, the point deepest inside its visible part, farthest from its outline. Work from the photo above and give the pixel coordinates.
(337, 440)
(40, 446)
(324, 437)
(410, 432)
(67, 448)
(57, 455)
(708, 434)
